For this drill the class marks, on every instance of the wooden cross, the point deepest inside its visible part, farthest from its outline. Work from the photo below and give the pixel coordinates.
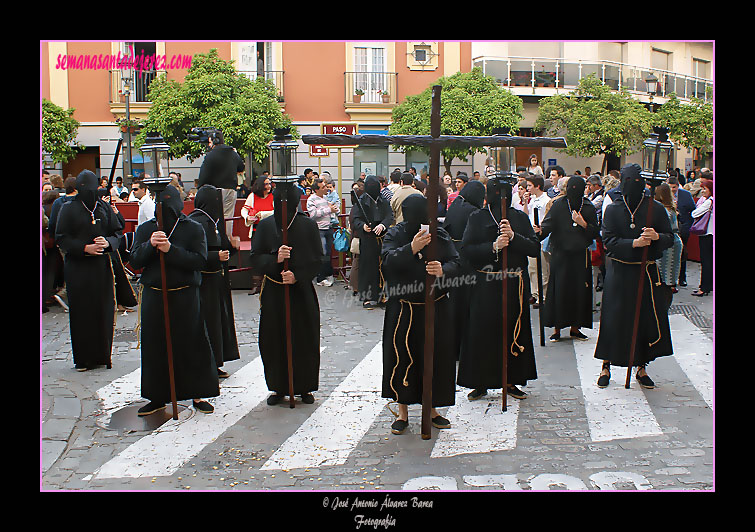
(435, 142)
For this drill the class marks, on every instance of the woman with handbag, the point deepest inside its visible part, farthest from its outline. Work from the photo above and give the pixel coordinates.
(257, 207)
(704, 227)
(670, 263)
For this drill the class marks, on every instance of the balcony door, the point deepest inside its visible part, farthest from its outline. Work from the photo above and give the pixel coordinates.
(370, 67)
(141, 77)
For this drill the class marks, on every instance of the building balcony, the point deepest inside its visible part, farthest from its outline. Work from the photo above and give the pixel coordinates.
(138, 91)
(537, 76)
(370, 96)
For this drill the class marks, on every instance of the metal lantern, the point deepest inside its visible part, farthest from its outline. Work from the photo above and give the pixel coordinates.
(156, 162)
(656, 154)
(503, 158)
(652, 84)
(283, 157)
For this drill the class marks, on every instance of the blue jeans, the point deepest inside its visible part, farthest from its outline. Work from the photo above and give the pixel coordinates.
(326, 240)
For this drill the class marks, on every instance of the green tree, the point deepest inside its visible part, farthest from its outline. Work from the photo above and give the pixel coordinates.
(690, 124)
(59, 130)
(595, 120)
(472, 104)
(213, 94)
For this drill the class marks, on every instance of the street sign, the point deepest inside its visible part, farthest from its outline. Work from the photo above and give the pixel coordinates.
(316, 150)
(339, 128)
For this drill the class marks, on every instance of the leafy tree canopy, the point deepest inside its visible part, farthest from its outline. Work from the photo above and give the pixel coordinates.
(59, 130)
(213, 94)
(595, 120)
(472, 104)
(690, 124)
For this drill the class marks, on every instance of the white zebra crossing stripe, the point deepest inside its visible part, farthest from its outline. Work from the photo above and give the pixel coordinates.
(478, 426)
(334, 430)
(169, 447)
(693, 351)
(120, 393)
(613, 412)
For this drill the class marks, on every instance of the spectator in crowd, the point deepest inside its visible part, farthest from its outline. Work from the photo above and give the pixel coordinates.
(669, 264)
(384, 190)
(69, 188)
(331, 194)
(47, 187)
(146, 203)
(588, 172)
(118, 188)
(395, 183)
(257, 207)
(684, 206)
(460, 181)
(447, 180)
(309, 178)
(407, 188)
(532, 165)
(517, 199)
(594, 193)
(421, 186)
(358, 188)
(219, 169)
(536, 199)
(57, 184)
(705, 205)
(51, 259)
(554, 174)
(476, 175)
(104, 184)
(320, 209)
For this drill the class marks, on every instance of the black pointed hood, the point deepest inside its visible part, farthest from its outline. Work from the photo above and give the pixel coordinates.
(575, 192)
(474, 193)
(632, 184)
(293, 198)
(86, 186)
(171, 207)
(414, 209)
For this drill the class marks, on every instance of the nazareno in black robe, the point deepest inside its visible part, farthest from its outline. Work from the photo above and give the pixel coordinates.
(195, 372)
(215, 290)
(372, 210)
(404, 323)
(89, 278)
(481, 357)
(124, 292)
(470, 200)
(622, 279)
(568, 296)
(305, 261)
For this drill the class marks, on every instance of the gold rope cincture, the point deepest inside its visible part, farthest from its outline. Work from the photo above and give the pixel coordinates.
(405, 382)
(139, 316)
(652, 296)
(518, 324)
(380, 264)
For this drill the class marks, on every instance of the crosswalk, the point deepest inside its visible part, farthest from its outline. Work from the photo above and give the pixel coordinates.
(341, 420)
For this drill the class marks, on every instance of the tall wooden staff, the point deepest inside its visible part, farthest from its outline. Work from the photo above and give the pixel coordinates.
(166, 313)
(432, 214)
(504, 300)
(643, 263)
(287, 297)
(540, 286)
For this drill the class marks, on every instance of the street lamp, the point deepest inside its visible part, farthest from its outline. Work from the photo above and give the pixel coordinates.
(503, 158)
(651, 86)
(155, 152)
(283, 156)
(656, 153)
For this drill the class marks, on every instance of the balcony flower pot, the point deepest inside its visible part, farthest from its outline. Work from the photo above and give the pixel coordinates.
(358, 95)
(386, 98)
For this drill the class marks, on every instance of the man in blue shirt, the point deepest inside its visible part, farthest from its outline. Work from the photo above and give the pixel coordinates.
(685, 204)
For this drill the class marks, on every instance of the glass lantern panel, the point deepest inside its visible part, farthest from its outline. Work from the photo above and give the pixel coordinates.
(282, 161)
(502, 159)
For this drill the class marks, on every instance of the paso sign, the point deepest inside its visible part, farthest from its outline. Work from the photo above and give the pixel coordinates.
(339, 128)
(317, 150)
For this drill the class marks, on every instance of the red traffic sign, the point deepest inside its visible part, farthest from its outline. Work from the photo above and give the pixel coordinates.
(317, 150)
(339, 128)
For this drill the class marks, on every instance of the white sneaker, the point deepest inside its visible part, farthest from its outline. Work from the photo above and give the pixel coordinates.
(328, 282)
(320, 283)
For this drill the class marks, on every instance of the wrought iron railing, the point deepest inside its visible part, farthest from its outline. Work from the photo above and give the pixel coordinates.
(376, 87)
(140, 82)
(535, 72)
(276, 76)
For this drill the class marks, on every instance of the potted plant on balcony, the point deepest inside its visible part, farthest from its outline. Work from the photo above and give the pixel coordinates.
(385, 95)
(132, 126)
(358, 93)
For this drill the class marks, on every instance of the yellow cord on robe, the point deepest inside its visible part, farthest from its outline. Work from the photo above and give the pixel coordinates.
(652, 296)
(405, 382)
(518, 324)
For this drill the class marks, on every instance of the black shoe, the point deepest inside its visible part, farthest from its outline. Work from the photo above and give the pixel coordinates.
(476, 394)
(275, 399)
(369, 304)
(204, 407)
(399, 426)
(515, 392)
(603, 381)
(577, 334)
(222, 374)
(307, 398)
(80, 367)
(555, 337)
(439, 422)
(699, 293)
(645, 381)
(150, 408)
(682, 282)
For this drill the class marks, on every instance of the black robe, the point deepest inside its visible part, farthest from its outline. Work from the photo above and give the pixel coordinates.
(89, 280)
(215, 290)
(124, 292)
(195, 372)
(373, 212)
(306, 256)
(568, 296)
(481, 357)
(455, 224)
(404, 323)
(621, 283)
